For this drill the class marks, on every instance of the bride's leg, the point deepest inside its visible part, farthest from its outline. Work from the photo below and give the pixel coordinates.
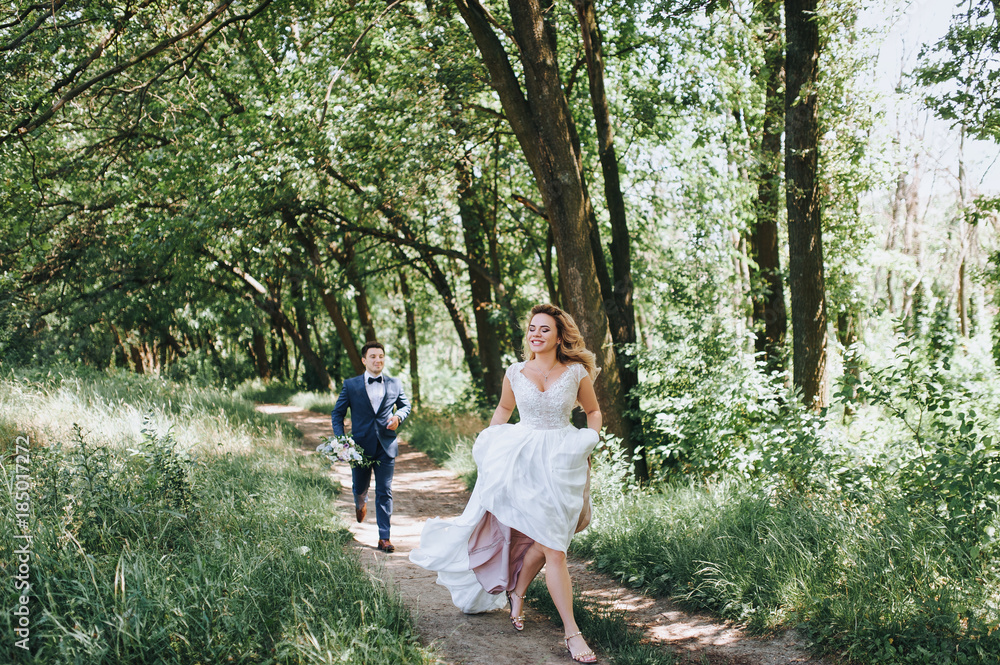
(533, 561)
(561, 589)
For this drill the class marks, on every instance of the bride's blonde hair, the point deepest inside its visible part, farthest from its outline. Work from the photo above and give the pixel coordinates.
(571, 347)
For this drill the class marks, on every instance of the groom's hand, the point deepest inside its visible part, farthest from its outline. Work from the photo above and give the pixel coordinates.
(393, 423)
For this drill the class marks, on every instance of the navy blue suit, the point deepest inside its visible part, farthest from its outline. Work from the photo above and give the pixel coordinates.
(368, 429)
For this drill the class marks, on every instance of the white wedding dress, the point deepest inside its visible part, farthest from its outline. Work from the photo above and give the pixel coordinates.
(530, 488)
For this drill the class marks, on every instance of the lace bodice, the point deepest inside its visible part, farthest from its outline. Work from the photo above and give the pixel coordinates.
(550, 409)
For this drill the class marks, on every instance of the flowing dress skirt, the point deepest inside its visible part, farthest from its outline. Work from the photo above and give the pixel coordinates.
(530, 488)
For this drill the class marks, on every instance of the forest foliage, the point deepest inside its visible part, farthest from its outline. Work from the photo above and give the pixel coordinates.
(790, 273)
(255, 190)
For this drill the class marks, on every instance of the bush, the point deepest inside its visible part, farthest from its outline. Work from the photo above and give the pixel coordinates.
(708, 410)
(946, 460)
(903, 589)
(873, 526)
(722, 548)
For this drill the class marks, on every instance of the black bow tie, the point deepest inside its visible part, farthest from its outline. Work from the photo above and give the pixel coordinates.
(374, 379)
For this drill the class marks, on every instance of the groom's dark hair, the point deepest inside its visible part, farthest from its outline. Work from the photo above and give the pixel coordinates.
(371, 345)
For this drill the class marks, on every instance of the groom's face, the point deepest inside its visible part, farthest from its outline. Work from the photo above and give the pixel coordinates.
(374, 361)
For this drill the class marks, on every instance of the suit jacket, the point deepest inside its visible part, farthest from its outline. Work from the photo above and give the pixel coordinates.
(368, 426)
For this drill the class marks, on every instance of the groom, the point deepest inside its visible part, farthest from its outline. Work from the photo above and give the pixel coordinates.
(372, 398)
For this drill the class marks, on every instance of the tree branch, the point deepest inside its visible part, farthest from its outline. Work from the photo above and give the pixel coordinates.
(46, 10)
(29, 124)
(503, 79)
(354, 48)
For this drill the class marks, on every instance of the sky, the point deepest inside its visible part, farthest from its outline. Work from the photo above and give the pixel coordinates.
(909, 26)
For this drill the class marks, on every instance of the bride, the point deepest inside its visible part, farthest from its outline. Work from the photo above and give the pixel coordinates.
(530, 494)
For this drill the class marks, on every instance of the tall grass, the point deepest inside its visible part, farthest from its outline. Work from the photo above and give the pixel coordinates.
(871, 580)
(276, 392)
(176, 525)
(113, 409)
(314, 401)
(447, 438)
(269, 392)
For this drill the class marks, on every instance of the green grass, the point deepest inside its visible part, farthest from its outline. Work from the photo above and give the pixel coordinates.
(313, 401)
(447, 439)
(871, 580)
(267, 392)
(112, 409)
(276, 392)
(174, 525)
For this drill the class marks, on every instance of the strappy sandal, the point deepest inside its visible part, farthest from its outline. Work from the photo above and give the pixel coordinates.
(583, 656)
(516, 621)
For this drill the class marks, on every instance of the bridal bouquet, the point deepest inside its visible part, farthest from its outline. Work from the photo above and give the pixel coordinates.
(342, 449)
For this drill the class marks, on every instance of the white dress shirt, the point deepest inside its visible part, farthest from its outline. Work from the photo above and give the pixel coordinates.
(376, 390)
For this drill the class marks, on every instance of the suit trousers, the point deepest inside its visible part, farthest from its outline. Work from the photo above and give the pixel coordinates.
(383, 469)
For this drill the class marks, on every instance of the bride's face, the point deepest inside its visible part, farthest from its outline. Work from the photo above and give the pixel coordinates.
(542, 333)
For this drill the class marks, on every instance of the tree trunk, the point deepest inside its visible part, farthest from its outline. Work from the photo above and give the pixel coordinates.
(805, 239)
(618, 302)
(904, 223)
(896, 222)
(171, 342)
(847, 335)
(332, 306)
(279, 349)
(411, 338)
(966, 242)
(475, 225)
(443, 287)
(540, 118)
(912, 294)
(623, 313)
(136, 355)
(550, 281)
(313, 380)
(360, 293)
(120, 352)
(301, 343)
(742, 303)
(963, 327)
(769, 316)
(259, 350)
(431, 270)
(260, 296)
(305, 234)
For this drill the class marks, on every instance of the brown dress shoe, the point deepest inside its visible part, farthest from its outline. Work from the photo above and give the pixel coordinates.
(386, 546)
(361, 512)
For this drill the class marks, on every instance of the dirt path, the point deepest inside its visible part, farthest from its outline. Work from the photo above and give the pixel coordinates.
(422, 490)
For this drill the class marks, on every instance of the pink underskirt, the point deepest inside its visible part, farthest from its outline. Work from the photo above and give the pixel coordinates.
(496, 554)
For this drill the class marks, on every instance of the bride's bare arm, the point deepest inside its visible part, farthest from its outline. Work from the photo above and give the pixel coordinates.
(588, 402)
(506, 405)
